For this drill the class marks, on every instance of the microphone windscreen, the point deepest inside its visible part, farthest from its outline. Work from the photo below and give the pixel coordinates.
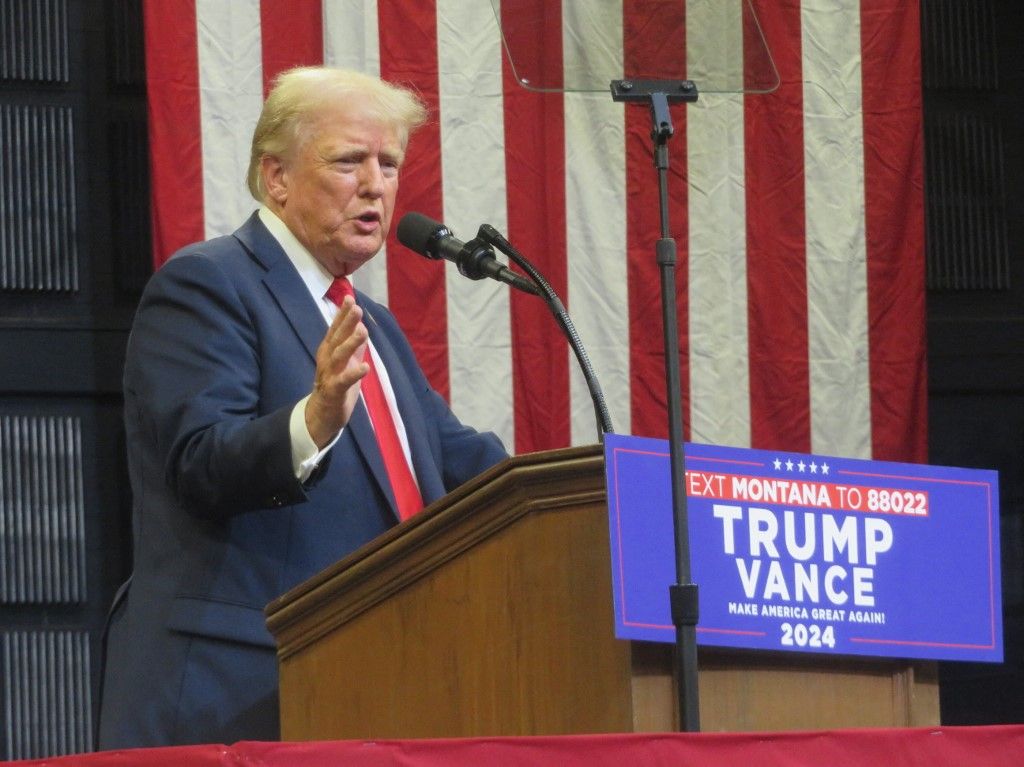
(415, 231)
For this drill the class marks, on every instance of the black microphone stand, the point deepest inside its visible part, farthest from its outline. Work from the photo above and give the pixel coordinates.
(492, 236)
(682, 594)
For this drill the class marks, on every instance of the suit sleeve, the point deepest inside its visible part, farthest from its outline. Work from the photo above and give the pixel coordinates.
(192, 374)
(466, 452)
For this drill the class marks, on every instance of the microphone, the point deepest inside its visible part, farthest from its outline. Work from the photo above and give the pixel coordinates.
(474, 259)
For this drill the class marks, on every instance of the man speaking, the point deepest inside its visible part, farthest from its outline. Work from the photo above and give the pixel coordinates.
(275, 419)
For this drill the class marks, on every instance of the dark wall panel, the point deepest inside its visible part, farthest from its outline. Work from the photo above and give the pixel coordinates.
(966, 221)
(42, 510)
(74, 254)
(46, 695)
(38, 219)
(34, 40)
(974, 107)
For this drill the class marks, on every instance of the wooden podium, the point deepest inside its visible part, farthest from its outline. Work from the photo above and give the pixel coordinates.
(490, 613)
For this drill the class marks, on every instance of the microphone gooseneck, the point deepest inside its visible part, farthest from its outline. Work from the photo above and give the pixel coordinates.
(475, 259)
(492, 236)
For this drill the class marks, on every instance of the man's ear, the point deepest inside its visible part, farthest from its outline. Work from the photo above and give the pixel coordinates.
(275, 178)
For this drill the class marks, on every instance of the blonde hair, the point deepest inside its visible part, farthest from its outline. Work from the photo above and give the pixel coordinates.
(297, 96)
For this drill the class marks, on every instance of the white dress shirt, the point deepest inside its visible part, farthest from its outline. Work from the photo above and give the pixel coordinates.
(305, 455)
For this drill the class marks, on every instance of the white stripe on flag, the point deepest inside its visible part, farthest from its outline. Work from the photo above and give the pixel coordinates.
(473, 178)
(836, 246)
(352, 41)
(719, 366)
(596, 224)
(351, 35)
(230, 98)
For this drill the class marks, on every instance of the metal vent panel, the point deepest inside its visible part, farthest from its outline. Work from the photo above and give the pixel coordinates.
(127, 59)
(38, 249)
(966, 205)
(42, 514)
(34, 40)
(958, 42)
(46, 693)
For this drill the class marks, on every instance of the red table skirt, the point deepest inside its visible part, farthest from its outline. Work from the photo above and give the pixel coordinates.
(998, 746)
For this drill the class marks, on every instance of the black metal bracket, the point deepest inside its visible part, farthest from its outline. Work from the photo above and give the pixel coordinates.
(642, 90)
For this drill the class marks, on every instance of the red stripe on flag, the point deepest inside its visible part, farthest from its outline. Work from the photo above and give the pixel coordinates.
(175, 138)
(292, 36)
(416, 287)
(894, 183)
(654, 47)
(780, 409)
(535, 179)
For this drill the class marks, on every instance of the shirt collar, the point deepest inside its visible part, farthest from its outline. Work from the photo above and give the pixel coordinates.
(312, 272)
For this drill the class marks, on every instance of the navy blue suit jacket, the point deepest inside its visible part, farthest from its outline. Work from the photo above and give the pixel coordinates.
(222, 348)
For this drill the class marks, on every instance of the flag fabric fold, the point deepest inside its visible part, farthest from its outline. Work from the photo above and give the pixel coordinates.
(798, 215)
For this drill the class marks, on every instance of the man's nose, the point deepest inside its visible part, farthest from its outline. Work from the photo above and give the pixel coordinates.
(372, 179)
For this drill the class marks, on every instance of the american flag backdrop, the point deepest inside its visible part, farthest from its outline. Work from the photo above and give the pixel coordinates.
(798, 215)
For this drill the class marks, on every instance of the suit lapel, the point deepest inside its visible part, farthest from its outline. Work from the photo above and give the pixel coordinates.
(424, 465)
(284, 283)
(361, 429)
(292, 296)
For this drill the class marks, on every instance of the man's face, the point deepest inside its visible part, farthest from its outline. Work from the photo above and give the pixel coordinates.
(336, 191)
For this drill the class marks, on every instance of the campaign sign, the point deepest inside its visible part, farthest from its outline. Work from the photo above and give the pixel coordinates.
(809, 553)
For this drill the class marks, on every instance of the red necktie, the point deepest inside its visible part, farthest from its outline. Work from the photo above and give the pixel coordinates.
(402, 483)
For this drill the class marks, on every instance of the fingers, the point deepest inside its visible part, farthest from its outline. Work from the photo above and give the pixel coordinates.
(346, 359)
(348, 318)
(340, 362)
(346, 334)
(339, 368)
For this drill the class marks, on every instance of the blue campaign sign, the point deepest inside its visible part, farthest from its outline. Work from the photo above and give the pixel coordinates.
(809, 553)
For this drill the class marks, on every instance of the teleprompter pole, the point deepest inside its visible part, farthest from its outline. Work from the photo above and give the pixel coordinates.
(682, 594)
